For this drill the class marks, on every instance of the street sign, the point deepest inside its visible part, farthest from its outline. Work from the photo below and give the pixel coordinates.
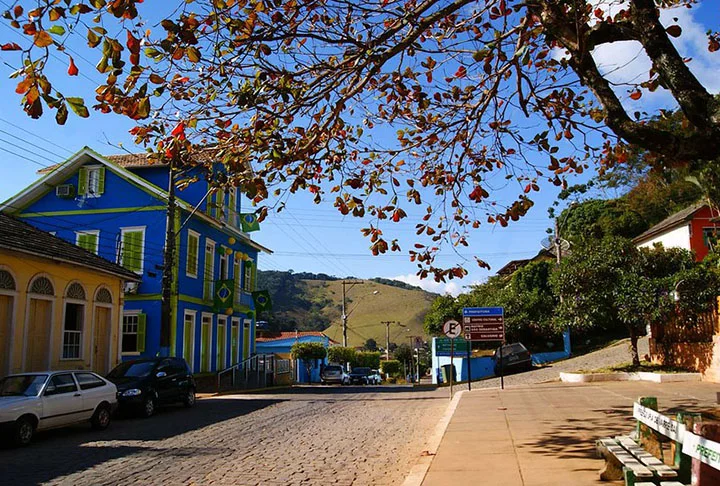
(442, 346)
(452, 328)
(484, 323)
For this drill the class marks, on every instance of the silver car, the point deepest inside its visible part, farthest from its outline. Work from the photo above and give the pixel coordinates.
(46, 400)
(334, 374)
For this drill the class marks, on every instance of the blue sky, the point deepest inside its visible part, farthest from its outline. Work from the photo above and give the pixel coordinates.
(308, 237)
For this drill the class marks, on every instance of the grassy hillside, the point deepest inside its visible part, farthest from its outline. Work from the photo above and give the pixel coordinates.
(366, 310)
(306, 302)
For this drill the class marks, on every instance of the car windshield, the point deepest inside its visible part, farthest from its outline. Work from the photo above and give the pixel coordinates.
(361, 371)
(132, 370)
(333, 368)
(22, 385)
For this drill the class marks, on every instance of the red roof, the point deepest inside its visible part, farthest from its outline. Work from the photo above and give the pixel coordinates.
(264, 336)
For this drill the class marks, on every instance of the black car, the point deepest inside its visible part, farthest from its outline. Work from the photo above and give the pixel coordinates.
(360, 376)
(143, 384)
(515, 357)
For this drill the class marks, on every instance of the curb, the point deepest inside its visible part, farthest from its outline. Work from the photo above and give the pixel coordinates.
(638, 376)
(243, 392)
(417, 473)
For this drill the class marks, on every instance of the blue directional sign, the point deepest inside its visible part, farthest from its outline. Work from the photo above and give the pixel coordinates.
(484, 323)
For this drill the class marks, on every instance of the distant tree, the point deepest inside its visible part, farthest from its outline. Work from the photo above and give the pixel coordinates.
(341, 355)
(308, 353)
(443, 308)
(392, 347)
(403, 353)
(371, 345)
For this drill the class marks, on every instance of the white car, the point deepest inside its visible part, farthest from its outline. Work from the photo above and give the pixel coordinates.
(50, 399)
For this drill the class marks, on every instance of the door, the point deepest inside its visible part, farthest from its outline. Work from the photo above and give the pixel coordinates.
(205, 337)
(62, 402)
(6, 308)
(94, 391)
(189, 339)
(234, 341)
(221, 332)
(102, 339)
(38, 335)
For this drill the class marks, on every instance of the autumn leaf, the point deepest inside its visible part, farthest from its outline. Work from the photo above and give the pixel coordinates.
(10, 46)
(43, 39)
(674, 30)
(78, 107)
(461, 72)
(636, 95)
(72, 68)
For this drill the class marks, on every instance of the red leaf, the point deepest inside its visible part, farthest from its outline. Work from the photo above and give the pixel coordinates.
(178, 130)
(674, 30)
(461, 72)
(72, 68)
(10, 46)
(636, 95)
(599, 13)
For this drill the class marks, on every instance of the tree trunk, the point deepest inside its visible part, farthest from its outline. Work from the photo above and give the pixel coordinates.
(308, 368)
(634, 347)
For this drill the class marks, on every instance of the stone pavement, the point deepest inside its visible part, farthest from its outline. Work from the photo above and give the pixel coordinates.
(545, 434)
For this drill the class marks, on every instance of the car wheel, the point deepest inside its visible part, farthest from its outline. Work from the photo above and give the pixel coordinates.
(189, 399)
(24, 431)
(101, 418)
(148, 409)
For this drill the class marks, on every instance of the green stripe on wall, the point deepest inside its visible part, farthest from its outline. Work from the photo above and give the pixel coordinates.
(93, 211)
(129, 297)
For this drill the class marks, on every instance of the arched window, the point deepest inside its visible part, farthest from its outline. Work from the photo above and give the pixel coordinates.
(42, 286)
(7, 282)
(75, 291)
(74, 322)
(104, 296)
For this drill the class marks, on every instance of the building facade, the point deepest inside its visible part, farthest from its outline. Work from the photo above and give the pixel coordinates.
(60, 306)
(117, 208)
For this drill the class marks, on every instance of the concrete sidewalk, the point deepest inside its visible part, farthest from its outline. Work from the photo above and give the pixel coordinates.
(545, 434)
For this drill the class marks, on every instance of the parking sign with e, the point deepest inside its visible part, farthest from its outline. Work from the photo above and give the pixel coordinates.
(452, 328)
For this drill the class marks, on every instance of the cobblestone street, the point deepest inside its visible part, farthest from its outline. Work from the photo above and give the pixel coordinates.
(319, 435)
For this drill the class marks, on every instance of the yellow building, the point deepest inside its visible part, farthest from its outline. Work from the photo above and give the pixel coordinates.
(60, 305)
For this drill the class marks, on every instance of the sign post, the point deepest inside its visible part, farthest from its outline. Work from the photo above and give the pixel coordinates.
(485, 324)
(452, 329)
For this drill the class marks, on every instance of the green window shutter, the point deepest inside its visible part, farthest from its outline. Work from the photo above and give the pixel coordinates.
(82, 181)
(92, 242)
(132, 250)
(232, 208)
(237, 277)
(253, 272)
(101, 180)
(192, 254)
(82, 241)
(142, 321)
(211, 204)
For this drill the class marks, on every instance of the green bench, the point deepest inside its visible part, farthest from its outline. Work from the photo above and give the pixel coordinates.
(637, 460)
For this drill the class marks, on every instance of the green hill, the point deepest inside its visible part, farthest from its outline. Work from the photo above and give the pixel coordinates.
(305, 302)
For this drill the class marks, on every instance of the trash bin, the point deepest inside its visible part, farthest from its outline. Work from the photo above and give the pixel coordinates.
(446, 370)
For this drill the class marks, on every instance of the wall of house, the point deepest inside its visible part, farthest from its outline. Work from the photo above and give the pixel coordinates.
(25, 268)
(700, 221)
(676, 238)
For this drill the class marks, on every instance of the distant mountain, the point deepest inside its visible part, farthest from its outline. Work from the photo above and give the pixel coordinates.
(306, 302)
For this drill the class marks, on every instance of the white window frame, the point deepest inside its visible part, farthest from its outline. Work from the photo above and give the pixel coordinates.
(130, 229)
(80, 333)
(197, 255)
(191, 361)
(91, 232)
(211, 277)
(128, 313)
(247, 277)
(223, 260)
(89, 190)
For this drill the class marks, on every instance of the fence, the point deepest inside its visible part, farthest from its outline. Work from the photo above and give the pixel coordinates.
(255, 372)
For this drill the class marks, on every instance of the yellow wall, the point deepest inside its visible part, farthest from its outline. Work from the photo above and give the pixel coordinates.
(25, 268)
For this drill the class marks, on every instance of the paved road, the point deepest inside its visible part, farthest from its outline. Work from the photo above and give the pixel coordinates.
(321, 435)
(613, 355)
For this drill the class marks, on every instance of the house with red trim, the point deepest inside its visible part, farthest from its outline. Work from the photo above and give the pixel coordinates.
(695, 228)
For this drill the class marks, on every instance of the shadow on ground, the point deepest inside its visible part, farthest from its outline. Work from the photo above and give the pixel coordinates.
(72, 449)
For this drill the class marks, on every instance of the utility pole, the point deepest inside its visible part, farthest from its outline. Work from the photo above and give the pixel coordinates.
(387, 337)
(344, 315)
(168, 263)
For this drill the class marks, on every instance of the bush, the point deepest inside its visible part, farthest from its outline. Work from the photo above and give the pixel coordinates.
(369, 359)
(390, 368)
(341, 355)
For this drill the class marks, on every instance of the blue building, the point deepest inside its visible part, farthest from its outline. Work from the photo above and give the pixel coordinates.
(280, 344)
(117, 207)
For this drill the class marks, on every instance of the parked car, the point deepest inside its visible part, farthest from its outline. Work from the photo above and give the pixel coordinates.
(45, 400)
(374, 378)
(515, 357)
(334, 373)
(359, 376)
(144, 384)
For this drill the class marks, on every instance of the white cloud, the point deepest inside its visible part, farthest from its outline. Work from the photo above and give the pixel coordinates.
(452, 287)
